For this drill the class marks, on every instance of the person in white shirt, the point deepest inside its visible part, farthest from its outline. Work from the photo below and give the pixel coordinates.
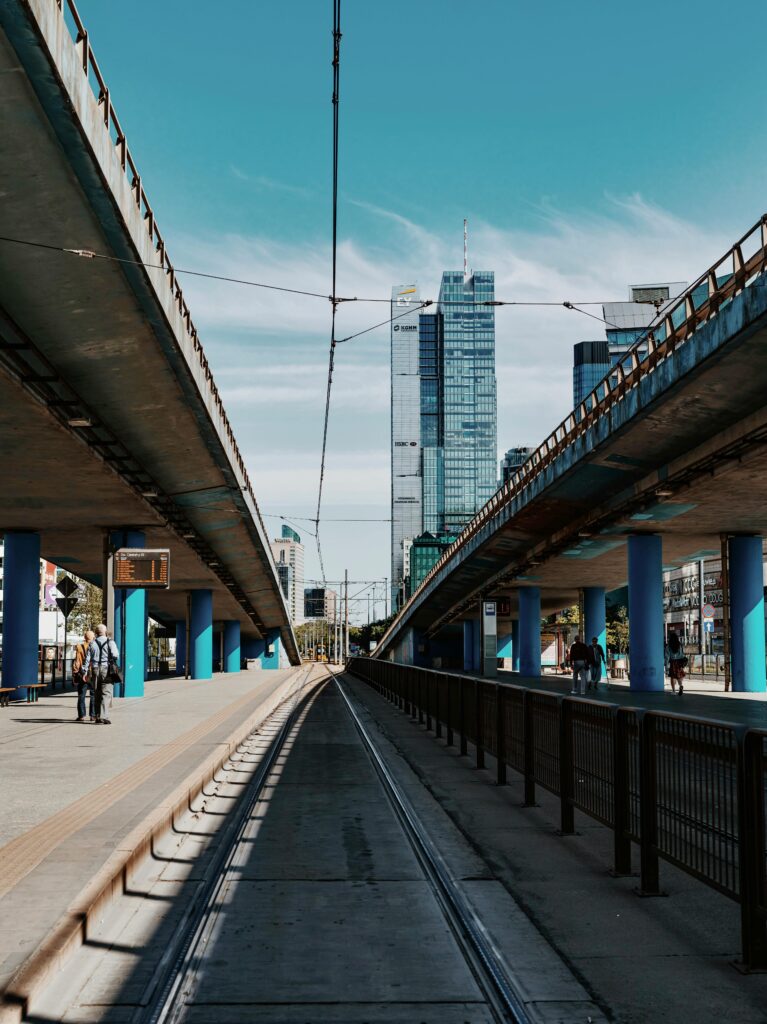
(100, 665)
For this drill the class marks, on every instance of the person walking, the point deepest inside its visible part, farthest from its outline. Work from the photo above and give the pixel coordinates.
(101, 661)
(676, 661)
(598, 659)
(579, 660)
(81, 680)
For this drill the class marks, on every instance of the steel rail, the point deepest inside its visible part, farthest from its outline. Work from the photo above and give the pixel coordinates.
(174, 975)
(476, 945)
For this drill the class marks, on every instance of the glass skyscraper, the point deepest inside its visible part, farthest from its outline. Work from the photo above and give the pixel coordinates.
(444, 416)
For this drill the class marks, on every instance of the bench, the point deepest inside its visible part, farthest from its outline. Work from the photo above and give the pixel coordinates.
(5, 695)
(32, 694)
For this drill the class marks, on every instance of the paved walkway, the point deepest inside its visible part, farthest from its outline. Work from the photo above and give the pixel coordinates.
(702, 699)
(74, 793)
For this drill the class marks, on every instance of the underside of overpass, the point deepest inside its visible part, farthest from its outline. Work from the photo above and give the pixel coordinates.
(109, 417)
(683, 455)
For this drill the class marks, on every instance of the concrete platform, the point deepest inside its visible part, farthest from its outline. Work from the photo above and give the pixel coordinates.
(78, 797)
(659, 960)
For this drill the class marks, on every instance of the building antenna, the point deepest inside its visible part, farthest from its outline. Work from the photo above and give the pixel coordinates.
(465, 250)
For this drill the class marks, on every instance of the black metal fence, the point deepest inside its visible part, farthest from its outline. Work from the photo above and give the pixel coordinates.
(686, 790)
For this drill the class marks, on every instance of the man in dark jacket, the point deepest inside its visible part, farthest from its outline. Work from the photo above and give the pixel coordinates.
(580, 659)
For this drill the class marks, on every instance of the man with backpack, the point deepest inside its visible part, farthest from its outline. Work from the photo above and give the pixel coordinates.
(580, 659)
(80, 680)
(101, 661)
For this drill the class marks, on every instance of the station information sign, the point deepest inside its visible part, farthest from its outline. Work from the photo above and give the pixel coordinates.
(141, 568)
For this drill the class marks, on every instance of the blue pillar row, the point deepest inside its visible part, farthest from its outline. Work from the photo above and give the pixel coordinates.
(253, 647)
(595, 622)
(471, 643)
(272, 644)
(21, 601)
(232, 659)
(747, 614)
(130, 624)
(515, 645)
(201, 635)
(530, 631)
(645, 557)
(180, 647)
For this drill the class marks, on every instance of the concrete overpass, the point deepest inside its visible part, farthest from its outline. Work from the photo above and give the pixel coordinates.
(666, 457)
(111, 425)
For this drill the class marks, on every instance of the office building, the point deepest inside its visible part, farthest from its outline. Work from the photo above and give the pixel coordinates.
(425, 552)
(511, 462)
(288, 554)
(444, 417)
(627, 323)
(320, 603)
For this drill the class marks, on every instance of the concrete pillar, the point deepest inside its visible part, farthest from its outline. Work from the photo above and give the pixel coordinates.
(21, 604)
(180, 647)
(271, 655)
(471, 644)
(515, 645)
(232, 660)
(645, 557)
(530, 631)
(201, 635)
(130, 624)
(747, 614)
(505, 644)
(594, 617)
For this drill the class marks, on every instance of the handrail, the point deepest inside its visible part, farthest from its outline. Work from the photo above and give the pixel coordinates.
(726, 278)
(112, 126)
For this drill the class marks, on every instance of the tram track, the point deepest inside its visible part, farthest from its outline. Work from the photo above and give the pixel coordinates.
(185, 982)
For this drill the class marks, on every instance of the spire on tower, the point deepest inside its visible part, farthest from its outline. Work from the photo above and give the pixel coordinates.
(465, 250)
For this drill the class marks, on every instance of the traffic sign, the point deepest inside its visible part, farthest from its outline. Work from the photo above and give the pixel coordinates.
(66, 586)
(708, 611)
(708, 625)
(66, 604)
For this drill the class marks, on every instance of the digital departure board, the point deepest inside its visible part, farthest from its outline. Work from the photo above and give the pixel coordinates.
(141, 567)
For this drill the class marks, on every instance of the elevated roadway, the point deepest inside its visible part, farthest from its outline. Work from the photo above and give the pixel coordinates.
(674, 445)
(109, 415)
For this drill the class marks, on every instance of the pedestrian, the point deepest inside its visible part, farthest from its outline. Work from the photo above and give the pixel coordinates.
(81, 680)
(101, 661)
(676, 660)
(598, 659)
(579, 660)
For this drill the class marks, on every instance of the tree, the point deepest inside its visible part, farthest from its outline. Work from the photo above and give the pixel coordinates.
(87, 613)
(618, 629)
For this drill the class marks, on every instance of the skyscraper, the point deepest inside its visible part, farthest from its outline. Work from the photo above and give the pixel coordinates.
(444, 421)
(288, 554)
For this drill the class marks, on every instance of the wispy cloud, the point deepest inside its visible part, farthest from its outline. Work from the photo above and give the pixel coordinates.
(269, 184)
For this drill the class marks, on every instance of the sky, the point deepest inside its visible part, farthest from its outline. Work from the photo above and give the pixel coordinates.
(591, 145)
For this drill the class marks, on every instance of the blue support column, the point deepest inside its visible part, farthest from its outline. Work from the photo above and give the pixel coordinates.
(471, 642)
(180, 647)
(515, 645)
(21, 602)
(271, 655)
(594, 615)
(645, 557)
(530, 631)
(232, 659)
(505, 644)
(201, 635)
(130, 624)
(747, 614)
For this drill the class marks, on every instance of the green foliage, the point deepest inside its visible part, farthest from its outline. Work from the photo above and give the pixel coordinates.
(87, 613)
(618, 630)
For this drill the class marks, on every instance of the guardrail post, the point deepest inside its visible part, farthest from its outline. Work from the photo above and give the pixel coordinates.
(411, 683)
(566, 769)
(751, 851)
(449, 709)
(500, 735)
(529, 748)
(462, 714)
(621, 796)
(420, 697)
(480, 739)
(437, 719)
(648, 808)
(428, 703)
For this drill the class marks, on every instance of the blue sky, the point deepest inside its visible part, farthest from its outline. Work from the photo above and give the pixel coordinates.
(591, 145)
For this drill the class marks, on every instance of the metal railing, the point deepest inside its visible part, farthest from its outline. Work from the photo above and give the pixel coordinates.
(687, 791)
(729, 276)
(92, 72)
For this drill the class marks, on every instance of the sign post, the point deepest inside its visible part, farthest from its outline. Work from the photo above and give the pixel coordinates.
(70, 595)
(489, 639)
